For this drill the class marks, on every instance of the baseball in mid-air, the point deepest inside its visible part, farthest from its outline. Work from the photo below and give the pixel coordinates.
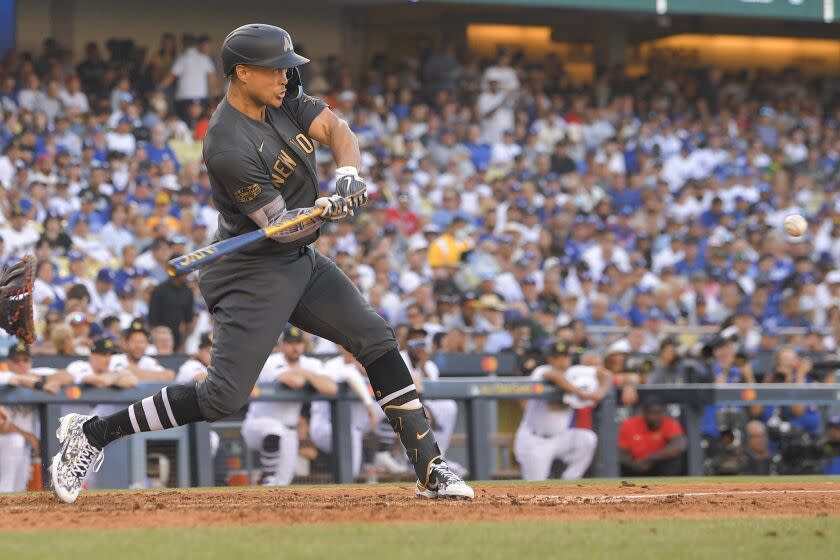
(795, 225)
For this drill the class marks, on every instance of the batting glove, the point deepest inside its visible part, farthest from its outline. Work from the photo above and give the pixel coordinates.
(351, 187)
(335, 207)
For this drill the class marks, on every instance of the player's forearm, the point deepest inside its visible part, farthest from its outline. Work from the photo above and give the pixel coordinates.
(61, 378)
(145, 375)
(322, 383)
(275, 212)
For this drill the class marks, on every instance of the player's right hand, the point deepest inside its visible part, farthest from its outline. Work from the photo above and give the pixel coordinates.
(335, 207)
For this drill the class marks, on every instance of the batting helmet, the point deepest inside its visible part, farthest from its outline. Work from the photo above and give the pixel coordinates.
(260, 44)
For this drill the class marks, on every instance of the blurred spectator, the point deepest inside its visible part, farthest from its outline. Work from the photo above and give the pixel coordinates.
(195, 74)
(135, 342)
(96, 369)
(163, 343)
(172, 306)
(195, 368)
(652, 444)
(757, 450)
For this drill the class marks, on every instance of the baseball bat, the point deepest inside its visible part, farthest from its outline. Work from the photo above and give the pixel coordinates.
(212, 253)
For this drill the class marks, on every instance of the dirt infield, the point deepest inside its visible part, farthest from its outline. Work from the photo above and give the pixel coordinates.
(396, 504)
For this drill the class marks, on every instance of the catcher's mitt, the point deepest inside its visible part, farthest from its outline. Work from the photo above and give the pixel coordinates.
(16, 299)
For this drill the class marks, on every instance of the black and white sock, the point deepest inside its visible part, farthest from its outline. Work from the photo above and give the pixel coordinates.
(173, 406)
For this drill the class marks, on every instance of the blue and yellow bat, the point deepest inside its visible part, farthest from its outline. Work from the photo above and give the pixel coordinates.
(212, 253)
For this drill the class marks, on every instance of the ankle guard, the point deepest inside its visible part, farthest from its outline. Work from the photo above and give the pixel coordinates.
(416, 436)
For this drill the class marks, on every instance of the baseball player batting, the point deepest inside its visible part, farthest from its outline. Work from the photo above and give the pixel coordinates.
(260, 156)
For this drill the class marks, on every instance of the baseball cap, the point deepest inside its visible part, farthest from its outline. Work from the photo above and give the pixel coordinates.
(557, 349)
(416, 343)
(491, 301)
(292, 334)
(103, 346)
(206, 340)
(19, 349)
(417, 243)
(75, 256)
(105, 275)
(135, 326)
(621, 346)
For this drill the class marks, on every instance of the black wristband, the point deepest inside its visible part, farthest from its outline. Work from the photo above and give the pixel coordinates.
(38, 385)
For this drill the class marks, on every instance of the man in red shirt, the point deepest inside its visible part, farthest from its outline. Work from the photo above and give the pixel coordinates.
(403, 217)
(652, 444)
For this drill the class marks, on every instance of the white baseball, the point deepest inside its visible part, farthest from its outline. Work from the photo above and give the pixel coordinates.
(795, 225)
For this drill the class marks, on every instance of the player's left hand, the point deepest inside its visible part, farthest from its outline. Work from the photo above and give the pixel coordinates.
(350, 186)
(334, 207)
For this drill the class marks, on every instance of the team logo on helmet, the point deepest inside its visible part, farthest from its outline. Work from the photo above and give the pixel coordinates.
(287, 43)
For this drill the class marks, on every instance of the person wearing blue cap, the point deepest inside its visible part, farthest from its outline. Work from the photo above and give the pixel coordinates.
(103, 298)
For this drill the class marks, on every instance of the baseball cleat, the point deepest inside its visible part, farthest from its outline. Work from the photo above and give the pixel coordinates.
(71, 465)
(443, 483)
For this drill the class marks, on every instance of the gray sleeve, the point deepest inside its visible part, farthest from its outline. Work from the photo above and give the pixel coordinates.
(305, 109)
(275, 212)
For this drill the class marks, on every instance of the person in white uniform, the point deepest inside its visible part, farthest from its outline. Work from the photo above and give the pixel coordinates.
(271, 427)
(546, 432)
(364, 415)
(19, 424)
(195, 369)
(95, 371)
(16, 448)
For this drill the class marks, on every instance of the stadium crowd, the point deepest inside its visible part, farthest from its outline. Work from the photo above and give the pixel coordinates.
(511, 207)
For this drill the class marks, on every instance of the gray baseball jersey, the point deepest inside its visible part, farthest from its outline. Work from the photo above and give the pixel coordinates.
(250, 163)
(252, 294)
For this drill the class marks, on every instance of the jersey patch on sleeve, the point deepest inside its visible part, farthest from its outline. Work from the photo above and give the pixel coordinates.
(247, 194)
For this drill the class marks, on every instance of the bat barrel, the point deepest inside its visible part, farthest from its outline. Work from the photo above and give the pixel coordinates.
(193, 261)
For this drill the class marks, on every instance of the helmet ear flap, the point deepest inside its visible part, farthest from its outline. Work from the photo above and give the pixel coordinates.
(294, 87)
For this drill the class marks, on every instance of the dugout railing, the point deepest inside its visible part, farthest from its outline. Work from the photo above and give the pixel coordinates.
(476, 395)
